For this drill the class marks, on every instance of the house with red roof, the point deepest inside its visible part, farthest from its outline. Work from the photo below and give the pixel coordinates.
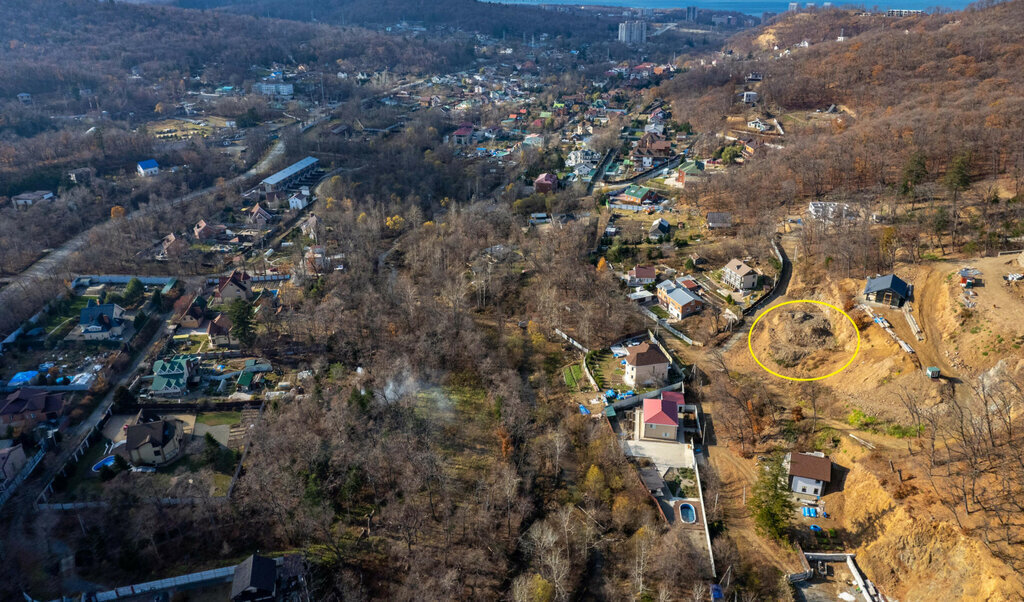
(463, 135)
(661, 419)
(545, 183)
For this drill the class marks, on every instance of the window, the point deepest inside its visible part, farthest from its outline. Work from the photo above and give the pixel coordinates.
(815, 492)
(803, 490)
(157, 452)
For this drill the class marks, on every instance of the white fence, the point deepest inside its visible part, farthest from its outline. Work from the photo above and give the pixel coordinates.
(221, 575)
(664, 324)
(704, 515)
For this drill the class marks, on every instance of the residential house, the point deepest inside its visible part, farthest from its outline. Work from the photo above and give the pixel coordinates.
(234, 286)
(761, 126)
(101, 322)
(661, 420)
(545, 183)
(24, 98)
(829, 211)
(889, 290)
(636, 195)
(317, 260)
(690, 172)
(26, 407)
(659, 228)
(538, 219)
(657, 129)
(194, 314)
(583, 156)
(749, 97)
(652, 150)
(204, 231)
(259, 217)
(698, 261)
(640, 275)
(463, 136)
(255, 580)
(153, 443)
(147, 168)
(171, 377)
(299, 200)
(12, 460)
(739, 275)
(809, 473)
(173, 245)
(27, 199)
(718, 220)
(249, 381)
(750, 147)
(219, 331)
(310, 227)
(645, 365)
(679, 300)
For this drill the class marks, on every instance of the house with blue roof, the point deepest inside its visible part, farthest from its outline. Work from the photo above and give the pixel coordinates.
(101, 322)
(888, 290)
(147, 168)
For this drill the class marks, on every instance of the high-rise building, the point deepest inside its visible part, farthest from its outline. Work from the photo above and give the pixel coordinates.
(794, 6)
(633, 32)
(691, 14)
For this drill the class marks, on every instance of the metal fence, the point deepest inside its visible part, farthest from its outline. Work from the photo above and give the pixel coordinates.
(26, 470)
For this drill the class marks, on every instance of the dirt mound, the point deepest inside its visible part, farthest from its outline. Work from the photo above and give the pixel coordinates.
(914, 558)
(797, 334)
(803, 340)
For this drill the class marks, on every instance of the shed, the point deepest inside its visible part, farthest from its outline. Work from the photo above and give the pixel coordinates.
(888, 289)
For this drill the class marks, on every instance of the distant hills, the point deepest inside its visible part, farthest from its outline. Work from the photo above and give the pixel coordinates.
(484, 17)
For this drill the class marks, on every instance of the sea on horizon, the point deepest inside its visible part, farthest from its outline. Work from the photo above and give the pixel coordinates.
(750, 7)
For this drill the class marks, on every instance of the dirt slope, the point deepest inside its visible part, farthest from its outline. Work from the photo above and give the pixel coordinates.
(918, 559)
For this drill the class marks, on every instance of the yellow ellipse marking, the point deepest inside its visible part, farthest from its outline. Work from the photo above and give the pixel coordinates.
(750, 335)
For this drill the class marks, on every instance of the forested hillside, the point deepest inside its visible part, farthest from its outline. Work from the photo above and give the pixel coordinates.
(484, 17)
(927, 105)
(86, 44)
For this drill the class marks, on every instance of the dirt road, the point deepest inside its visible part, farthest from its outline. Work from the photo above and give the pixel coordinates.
(737, 476)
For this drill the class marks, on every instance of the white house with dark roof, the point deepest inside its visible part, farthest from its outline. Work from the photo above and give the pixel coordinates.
(739, 275)
(808, 473)
(645, 365)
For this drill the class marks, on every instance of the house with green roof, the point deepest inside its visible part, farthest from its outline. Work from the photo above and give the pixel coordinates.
(171, 377)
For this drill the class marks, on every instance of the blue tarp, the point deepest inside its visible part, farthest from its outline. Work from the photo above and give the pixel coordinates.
(22, 378)
(584, 410)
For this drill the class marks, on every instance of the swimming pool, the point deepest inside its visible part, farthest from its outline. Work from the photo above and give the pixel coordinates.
(687, 513)
(108, 461)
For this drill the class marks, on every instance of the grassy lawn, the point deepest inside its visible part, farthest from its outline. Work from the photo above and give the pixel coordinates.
(219, 418)
(72, 309)
(660, 312)
(573, 375)
(596, 364)
(83, 483)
